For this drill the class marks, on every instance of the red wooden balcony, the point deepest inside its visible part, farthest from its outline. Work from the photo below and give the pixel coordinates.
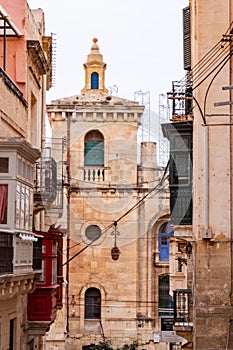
(47, 297)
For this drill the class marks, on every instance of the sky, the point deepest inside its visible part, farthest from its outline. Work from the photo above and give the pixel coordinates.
(141, 42)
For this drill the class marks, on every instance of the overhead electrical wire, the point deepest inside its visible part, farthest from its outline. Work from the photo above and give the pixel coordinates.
(221, 67)
(210, 61)
(155, 189)
(220, 64)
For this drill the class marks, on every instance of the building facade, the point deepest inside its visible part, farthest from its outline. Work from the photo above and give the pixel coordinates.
(202, 113)
(25, 75)
(117, 220)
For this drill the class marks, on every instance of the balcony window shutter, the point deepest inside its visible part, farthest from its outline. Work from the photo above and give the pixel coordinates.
(187, 38)
(3, 203)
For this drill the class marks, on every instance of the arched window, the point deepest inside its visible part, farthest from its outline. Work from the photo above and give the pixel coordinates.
(165, 300)
(95, 81)
(94, 149)
(165, 232)
(92, 303)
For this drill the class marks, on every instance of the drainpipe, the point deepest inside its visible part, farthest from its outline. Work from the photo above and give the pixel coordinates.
(207, 233)
(4, 45)
(141, 270)
(206, 182)
(231, 154)
(68, 222)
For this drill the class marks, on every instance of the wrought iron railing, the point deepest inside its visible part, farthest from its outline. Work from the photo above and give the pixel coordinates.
(183, 307)
(181, 97)
(46, 181)
(12, 86)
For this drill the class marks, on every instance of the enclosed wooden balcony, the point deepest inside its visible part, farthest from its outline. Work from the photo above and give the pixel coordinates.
(13, 104)
(47, 296)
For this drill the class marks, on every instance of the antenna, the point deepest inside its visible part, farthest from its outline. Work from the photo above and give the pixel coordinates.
(54, 58)
(164, 116)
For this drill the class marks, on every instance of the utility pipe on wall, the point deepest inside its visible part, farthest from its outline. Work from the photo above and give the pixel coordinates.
(68, 221)
(206, 180)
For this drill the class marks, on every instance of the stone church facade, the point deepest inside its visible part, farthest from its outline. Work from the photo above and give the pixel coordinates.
(116, 221)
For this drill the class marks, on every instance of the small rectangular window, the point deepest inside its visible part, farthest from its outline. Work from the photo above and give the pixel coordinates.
(164, 240)
(37, 254)
(4, 165)
(54, 271)
(12, 334)
(3, 203)
(27, 208)
(42, 277)
(29, 172)
(22, 208)
(6, 253)
(17, 206)
(20, 167)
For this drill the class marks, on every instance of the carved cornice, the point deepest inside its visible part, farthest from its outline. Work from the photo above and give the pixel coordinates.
(21, 146)
(12, 285)
(37, 55)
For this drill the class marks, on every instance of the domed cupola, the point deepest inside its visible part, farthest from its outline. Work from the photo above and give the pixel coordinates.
(94, 71)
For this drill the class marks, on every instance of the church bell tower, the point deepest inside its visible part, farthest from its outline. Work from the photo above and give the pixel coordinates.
(94, 71)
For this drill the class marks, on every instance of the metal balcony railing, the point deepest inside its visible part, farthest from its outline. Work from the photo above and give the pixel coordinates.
(183, 307)
(46, 181)
(181, 97)
(11, 85)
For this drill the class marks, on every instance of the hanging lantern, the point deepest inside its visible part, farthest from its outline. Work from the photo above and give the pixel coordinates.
(115, 253)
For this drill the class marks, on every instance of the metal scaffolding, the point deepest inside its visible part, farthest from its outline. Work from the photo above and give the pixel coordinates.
(144, 99)
(164, 117)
